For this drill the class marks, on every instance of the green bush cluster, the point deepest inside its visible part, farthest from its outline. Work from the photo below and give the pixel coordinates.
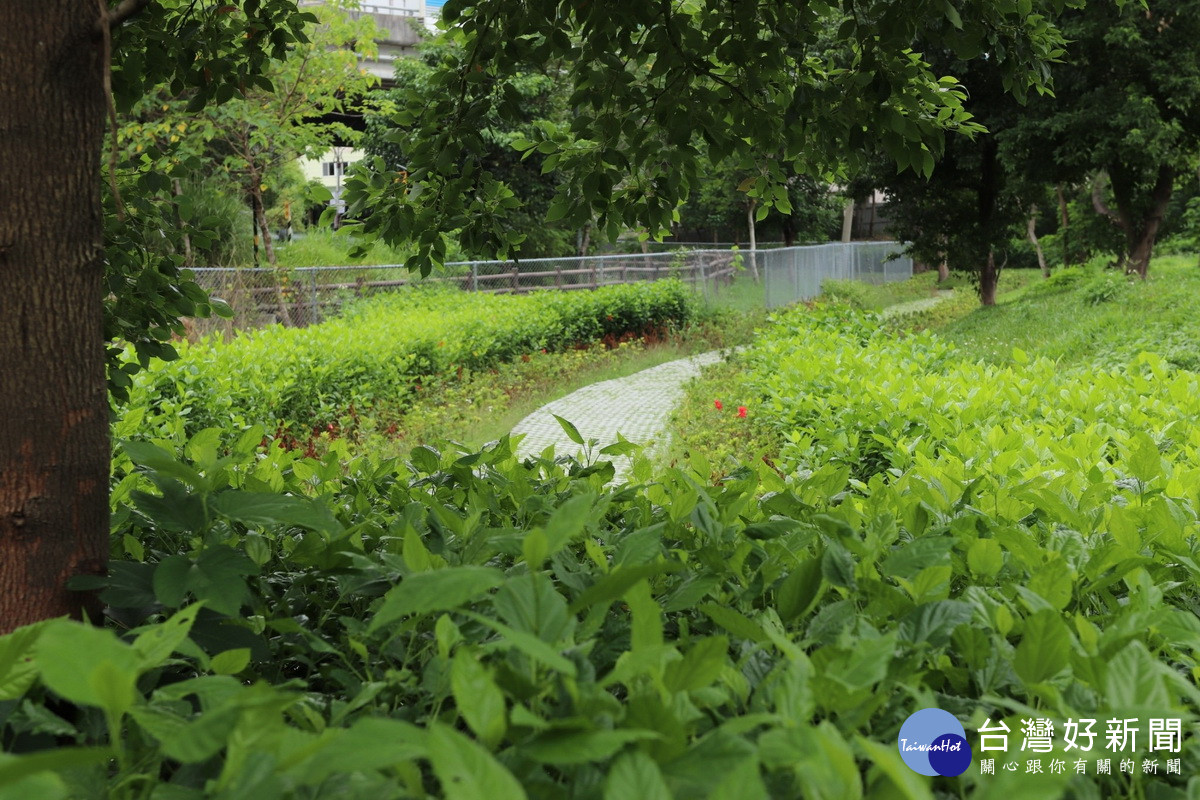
(379, 350)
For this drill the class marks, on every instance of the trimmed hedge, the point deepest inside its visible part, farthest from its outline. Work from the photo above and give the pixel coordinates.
(380, 349)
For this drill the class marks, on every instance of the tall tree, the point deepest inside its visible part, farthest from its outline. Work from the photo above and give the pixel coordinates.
(649, 78)
(1126, 112)
(54, 449)
(966, 212)
(520, 103)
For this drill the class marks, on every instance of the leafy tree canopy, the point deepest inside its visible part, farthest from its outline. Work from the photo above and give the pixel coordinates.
(1127, 102)
(518, 107)
(654, 84)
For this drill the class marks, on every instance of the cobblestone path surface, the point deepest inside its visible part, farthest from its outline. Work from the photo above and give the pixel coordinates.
(637, 406)
(917, 305)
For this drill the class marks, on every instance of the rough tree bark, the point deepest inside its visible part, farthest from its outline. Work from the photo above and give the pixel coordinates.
(54, 437)
(1141, 230)
(989, 278)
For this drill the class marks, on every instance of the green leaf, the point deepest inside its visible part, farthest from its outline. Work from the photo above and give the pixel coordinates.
(230, 662)
(528, 644)
(561, 748)
(733, 621)
(616, 583)
(1045, 647)
(798, 591)
(571, 431)
(466, 771)
(266, 508)
(158, 643)
(934, 623)
(18, 665)
(985, 558)
(909, 784)
(15, 768)
(837, 566)
(478, 698)
(106, 678)
(189, 741)
(635, 775)
(440, 590)
(699, 667)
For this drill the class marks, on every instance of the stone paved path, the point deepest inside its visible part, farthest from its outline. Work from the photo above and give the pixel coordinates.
(637, 405)
(917, 305)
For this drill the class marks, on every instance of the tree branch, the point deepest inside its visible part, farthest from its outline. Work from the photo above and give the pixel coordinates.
(1098, 184)
(123, 11)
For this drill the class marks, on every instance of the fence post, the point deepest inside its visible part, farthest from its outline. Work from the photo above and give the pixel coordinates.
(516, 279)
(595, 285)
(474, 277)
(557, 274)
(314, 313)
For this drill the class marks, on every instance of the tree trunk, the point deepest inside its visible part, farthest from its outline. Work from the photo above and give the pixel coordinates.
(752, 224)
(260, 222)
(1031, 231)
(1065, 222)
(1141, 245)
(943, 266)
(989, 278)
(54, 447)
(1140, 231)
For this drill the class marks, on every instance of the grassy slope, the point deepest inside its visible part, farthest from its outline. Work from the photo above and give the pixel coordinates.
(1064, 323)
(1158, 315)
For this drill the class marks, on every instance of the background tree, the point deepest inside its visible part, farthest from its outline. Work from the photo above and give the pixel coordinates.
(648, 79)
(518, 105)
(1125, 118)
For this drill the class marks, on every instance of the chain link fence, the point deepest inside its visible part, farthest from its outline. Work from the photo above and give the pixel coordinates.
(307, 295)
(793, 274)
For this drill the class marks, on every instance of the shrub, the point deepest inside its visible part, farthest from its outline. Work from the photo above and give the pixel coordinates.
(379, 350)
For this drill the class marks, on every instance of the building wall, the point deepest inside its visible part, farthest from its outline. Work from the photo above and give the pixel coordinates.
(323, 169)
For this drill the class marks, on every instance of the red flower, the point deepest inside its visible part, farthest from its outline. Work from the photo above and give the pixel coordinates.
(742, 411)
(717, 405)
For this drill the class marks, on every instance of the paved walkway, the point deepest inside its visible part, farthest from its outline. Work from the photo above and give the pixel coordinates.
(637, 405)
(917, 305)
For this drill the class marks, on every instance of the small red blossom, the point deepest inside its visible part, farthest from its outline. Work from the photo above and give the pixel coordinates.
(742, 411)
(717, 405)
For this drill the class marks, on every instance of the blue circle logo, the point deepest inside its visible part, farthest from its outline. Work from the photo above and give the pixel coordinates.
(933, 742)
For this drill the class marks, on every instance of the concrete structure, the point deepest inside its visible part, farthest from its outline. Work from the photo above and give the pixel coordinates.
(400, 23)
(330, 169)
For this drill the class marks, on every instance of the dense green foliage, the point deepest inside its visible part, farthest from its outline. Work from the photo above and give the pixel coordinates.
(1126, 102)
(660, 90)
(372, 358)
(934, 531)
(516, 108)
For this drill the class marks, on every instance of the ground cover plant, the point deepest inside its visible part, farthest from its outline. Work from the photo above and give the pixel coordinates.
(999, 542)
(1090, 314)
(373, 360)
